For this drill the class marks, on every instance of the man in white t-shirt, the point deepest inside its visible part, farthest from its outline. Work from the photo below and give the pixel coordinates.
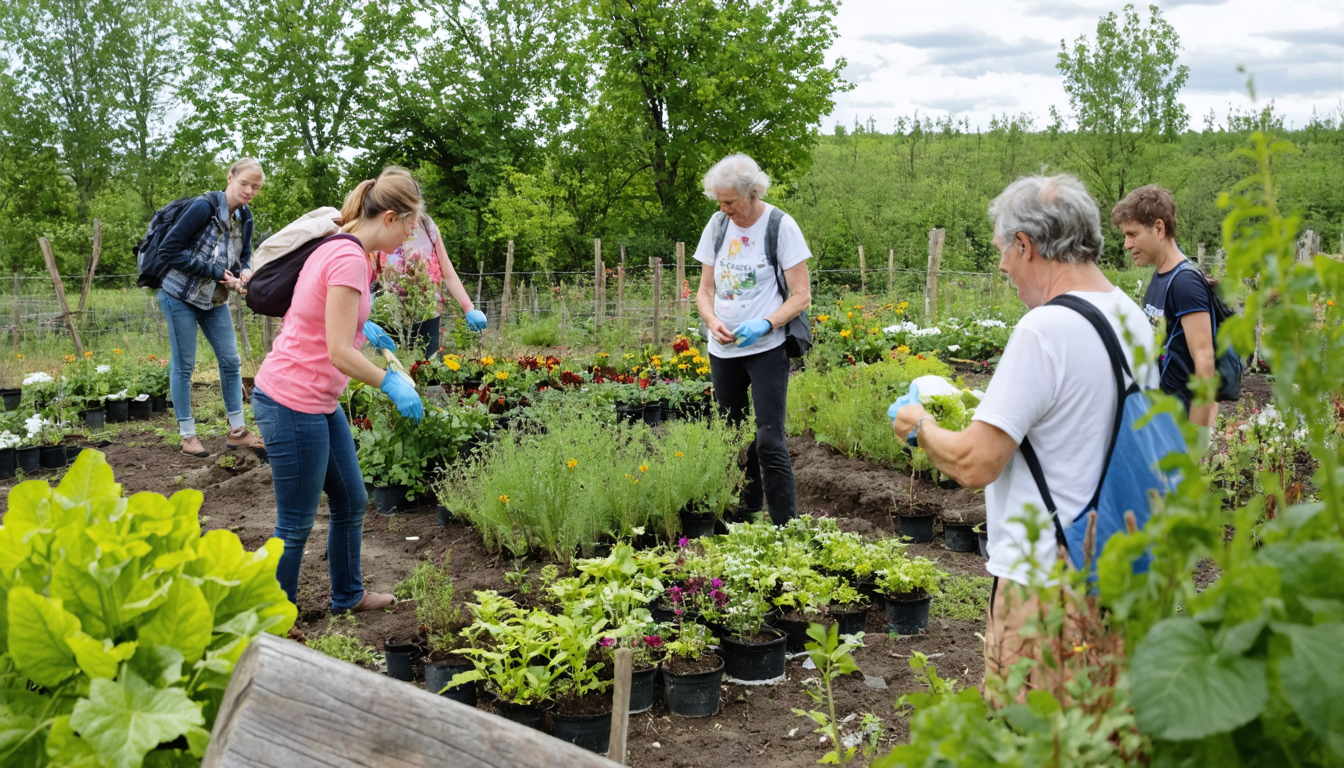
(742, 304)
(1054, 384)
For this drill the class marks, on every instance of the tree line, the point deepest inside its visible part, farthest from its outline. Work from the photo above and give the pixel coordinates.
(553, 123)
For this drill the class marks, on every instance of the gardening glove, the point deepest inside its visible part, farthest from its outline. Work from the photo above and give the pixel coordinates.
(476, 320)
(378, 337)
(399, 389)
(751, 332)
(909, 398)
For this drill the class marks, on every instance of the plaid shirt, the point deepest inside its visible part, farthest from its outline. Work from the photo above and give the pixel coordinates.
(209, 251)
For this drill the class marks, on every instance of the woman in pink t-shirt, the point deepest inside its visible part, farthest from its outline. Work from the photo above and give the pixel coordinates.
(313, 359)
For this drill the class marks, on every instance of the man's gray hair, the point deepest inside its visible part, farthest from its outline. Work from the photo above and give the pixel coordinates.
(1055, 213)
(738, 172)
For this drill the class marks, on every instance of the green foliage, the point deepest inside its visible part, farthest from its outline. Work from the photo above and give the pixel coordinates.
(833, 657)
(394, 450)
(964, 598)
(347, 649)
(119, 622)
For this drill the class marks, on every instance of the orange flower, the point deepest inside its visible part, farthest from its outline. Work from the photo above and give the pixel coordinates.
(69, 358)
(115, 352)
(504, 499)
(643, 467)
(89, 353)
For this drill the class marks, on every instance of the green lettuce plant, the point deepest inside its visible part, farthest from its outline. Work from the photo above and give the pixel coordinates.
(120, 623)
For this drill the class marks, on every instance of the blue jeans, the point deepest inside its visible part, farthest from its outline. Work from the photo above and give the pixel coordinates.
(311, 453)
(183, 320)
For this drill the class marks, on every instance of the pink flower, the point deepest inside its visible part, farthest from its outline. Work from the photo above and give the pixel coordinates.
(720, 598)
(675, 594)
(607, 642)
(682, 542)
(653, 641)
(716, 583)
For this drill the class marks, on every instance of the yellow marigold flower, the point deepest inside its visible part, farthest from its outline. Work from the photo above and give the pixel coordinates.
(487, 360)
(453, 365)
(501, 375)
(152, 357)
(702, 371)
(503, 499)
(643, 467)
(603, 355)
(1329, 302)
(845, 333)
(905, 304)
(115, 352)
(679, 454)
(698, 360)
(657, 360)
(823, 318)
(849, 315)
(635, 369)
(572, 463)
(69, 358)
(694, 351)
(858, 306)
(89, 353)
(683, 367)
(902, 350)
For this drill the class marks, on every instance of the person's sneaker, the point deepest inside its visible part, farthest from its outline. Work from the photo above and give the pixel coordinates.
(191, 446)
(241, 438)
(374, 601)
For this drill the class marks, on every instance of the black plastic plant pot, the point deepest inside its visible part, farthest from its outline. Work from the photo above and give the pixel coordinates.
(470, 384)
(94, 418)
(27, 459)
(158, 404)
(629, 414)
(917, 527)
(653, 414)
(592, 732)
(641, 689)
(118, 411)
(908, 614)
(72, 452)
(695, 694)
(7, 463)
(531, 715)
(51, 456)
(851, 621)
(661, 613)
(960, 537)
(437, 676)
(795, 633)
(695, 526)
(983, 540)
(12, 398)
(399, 663)
(390, 499)
(140, 410)
(754, 662)
(443, 516)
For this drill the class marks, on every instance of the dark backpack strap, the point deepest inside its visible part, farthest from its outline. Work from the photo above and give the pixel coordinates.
(1119, 366)
(772, 248)
(1038, 474)
(720, 221)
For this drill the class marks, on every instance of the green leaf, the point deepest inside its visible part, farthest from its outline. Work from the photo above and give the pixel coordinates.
(125, 720)
(184, 622)
(1313, 679)
(88, 479)
(38, 629)
(99, 659)
(1183, 689)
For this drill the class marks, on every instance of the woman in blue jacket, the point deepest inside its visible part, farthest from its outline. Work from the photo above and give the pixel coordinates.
(209, 252)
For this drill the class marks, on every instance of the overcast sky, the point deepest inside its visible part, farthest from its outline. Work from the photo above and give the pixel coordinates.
(977, 58)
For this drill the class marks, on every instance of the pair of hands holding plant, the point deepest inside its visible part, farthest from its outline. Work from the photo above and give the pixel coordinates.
(238, 283)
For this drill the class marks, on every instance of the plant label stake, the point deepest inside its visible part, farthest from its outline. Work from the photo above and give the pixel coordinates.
(620, 705)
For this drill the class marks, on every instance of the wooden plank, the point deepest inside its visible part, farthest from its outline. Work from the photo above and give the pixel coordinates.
(18, 316)
(657, 265)
(891, 268)
(598, 304)
(60, 293)
(241, 320)
(267, 335)
(936, 236)
(508, 286)
(288, 706)
(683, 290)
(863, 273)
(1199, 255)
(620, 285)
(480, 278)
(620, 705)
(93, 263)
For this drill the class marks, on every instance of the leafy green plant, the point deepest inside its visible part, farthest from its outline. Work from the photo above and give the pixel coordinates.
(917, 575)
(122, 622)
(833, 657)
(347, 649)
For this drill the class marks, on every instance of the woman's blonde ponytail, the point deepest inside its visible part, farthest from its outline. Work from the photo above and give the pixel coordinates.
(394, 190)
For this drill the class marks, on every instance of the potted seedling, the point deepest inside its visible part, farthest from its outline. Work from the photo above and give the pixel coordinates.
(582, 711)
(513, 652)
(691, 672)
(908, 588)
(442, 623)
(960, 536)
(752, 652)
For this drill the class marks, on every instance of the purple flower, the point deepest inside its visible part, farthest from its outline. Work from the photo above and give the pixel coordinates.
(682, 542)
(720, 599)
(678, 612)
(675, 594)
(716, 583)
(653, 641)
(607, 642)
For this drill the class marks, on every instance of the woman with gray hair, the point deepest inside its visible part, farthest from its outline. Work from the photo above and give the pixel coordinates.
(752, 252)
(1055, 384)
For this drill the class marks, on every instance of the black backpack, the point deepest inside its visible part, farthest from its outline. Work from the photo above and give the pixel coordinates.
(1228, 365)
(148, 262)
(271, 289)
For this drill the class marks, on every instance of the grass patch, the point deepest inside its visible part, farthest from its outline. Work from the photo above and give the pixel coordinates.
(963, 597)
(346, 648)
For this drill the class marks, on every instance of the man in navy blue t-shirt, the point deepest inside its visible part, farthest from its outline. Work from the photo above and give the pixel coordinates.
(1177, 292)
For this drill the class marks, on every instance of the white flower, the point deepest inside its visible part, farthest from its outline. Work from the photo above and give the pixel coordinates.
(118, 396)
(905, 327)
(34, 424)
(926, 331)
(953, 347)
(1140, 285)
(9, 440)
(991, 323)
(37, 377)
(103, 368)
(142, 398)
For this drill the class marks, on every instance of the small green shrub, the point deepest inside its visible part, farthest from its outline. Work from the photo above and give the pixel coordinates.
(346, 648)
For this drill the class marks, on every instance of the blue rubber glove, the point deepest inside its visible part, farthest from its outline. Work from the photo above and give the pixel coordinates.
(751, 332)
(909, 398)
(378, 337)
(399, 389)
(476, 320)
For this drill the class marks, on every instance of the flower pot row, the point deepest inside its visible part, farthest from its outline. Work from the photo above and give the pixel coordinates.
(35, 458)
(957, 537)
(118, 411)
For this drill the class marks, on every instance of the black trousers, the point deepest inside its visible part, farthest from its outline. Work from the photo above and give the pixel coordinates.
(769, 471)
(426, 332)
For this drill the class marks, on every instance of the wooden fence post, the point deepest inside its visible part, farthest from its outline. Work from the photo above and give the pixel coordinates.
(18, 316)
(267, 334)
(657, 265)
(891, 268)
(237, 305)
(60, 293)
(936, 236)
(508, 287)
(93, 263)
(620, 286)
(480, 278)
(599, 306)
(683, 290)
(620, 706)
(1199, 256)
(863, 273)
